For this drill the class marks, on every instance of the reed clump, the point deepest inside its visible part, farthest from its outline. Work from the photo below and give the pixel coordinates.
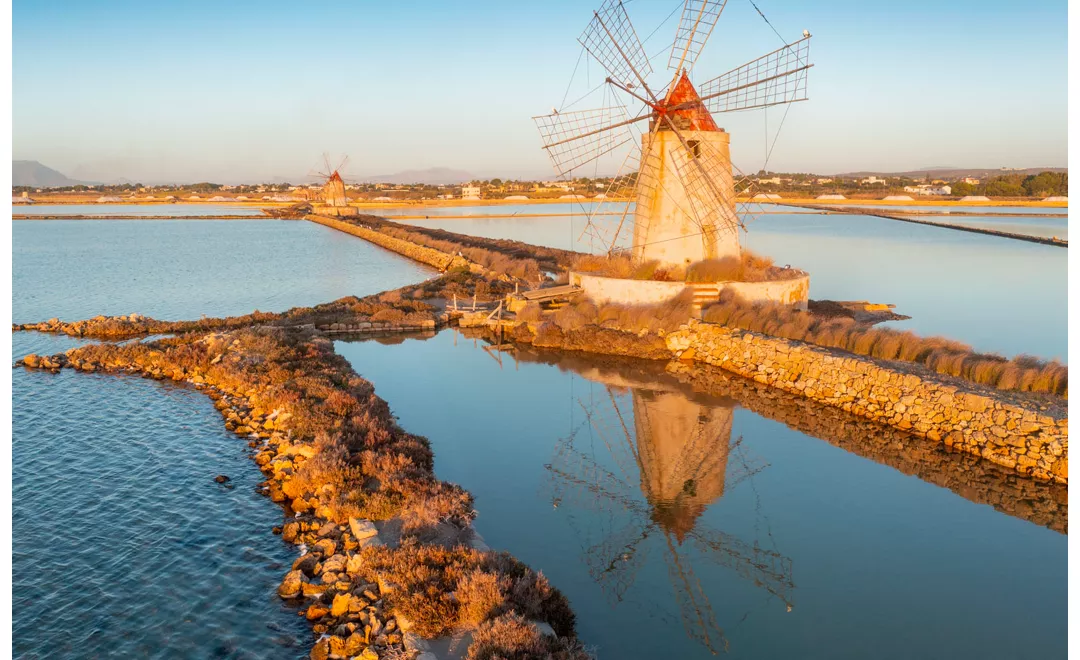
(944, 356)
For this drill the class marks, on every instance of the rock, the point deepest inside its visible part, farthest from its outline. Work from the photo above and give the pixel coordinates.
(306, 564)
(321, 650)
(353, 565)
(335, 564)
(317, 610)
(314, 589)
(369, 654)
(221, 479)
(362, 529)
(292, 585)
(340, 605)
(32, 361)
(289, 531)
(326, 547)
(353, 644)
(337, 646)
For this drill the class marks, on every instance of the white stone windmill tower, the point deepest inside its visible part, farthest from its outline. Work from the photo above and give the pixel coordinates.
(681, 176)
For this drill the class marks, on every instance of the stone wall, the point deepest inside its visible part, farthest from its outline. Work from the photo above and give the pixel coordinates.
(1012, 431)
(424, 255)
(1040, 502)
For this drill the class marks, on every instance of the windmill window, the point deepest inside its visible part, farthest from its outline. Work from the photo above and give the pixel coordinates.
(695, 147)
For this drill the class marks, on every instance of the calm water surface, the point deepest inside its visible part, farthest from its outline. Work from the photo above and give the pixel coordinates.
(123, 545)
(996, 294)
(680, 525)
(121, 210)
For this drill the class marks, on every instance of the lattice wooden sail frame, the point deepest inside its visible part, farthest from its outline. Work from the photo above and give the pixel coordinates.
(576, 138)
(695, 27)
(776, 78)
(612, 41)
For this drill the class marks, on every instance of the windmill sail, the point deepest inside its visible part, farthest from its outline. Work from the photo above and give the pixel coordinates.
(573, 139)
(779, 77)
(612, 41)
(696, 24)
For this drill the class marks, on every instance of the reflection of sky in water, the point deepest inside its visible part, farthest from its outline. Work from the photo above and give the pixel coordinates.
(1044, 227)
(988, 210)
(135, 209)
(994, 293)
(872, 553)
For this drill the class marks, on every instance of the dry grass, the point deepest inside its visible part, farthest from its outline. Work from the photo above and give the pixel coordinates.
(666, 316)
(749, 267)
(945, 356)
(441, 588)
(511, 637)
(531, 313)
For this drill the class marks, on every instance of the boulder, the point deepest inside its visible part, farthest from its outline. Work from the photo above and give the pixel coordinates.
(340, 605)
(292, 585)
(362, 529)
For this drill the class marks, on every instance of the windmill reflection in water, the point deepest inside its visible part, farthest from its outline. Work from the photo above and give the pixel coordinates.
(661, 477)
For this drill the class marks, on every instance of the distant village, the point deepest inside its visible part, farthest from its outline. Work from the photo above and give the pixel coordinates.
(764, 184)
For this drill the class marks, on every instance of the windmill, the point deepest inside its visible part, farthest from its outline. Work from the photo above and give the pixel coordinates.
(681, 455)
(333, 189)
(679, 173)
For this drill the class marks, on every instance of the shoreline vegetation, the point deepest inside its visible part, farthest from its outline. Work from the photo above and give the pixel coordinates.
(388, 552)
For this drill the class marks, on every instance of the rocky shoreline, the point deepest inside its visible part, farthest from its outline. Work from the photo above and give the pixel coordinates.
(388, 554)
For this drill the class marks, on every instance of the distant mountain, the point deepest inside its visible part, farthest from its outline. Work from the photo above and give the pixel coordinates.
(436, 176)
(956, 172)
(33, 173)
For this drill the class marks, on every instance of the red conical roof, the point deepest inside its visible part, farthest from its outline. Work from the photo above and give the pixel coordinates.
(693, 117)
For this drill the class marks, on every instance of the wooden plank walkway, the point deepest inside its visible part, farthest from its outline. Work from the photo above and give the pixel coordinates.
(552, 293)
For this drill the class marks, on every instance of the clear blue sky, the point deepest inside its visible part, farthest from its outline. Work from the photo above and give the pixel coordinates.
(234, 90)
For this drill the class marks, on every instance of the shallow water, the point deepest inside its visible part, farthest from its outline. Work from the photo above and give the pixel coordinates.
(182, 270)
(996, 294)
(123, 543)
(121, 210)
(932, 208)
(680, 524)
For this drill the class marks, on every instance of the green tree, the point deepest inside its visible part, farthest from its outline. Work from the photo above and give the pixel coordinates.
(960, 189)
(1003, 187)
(1045, 184)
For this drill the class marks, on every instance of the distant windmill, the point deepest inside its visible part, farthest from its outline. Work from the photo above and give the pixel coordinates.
(333, 190)
(681, 176)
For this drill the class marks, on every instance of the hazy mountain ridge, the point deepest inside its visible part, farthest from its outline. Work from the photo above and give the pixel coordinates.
(33, 173)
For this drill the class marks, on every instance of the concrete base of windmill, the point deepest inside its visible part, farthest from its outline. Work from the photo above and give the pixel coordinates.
(793, 291)
(339, 211)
